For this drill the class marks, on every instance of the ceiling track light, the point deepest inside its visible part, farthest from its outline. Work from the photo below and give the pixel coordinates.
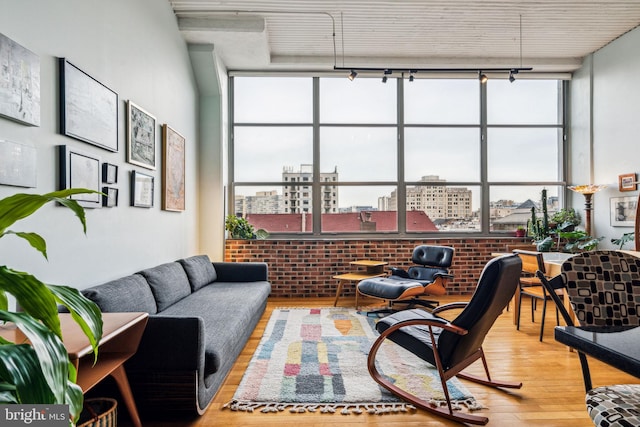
(353, 71)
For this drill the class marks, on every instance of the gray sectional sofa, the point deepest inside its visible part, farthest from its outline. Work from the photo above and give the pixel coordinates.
(201, 316)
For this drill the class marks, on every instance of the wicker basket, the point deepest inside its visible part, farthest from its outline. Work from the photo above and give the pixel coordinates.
(99, 412)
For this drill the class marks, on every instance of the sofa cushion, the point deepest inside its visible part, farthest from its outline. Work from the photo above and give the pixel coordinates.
(130, 293)
(200, 271)
(230, 312)
(168, 283)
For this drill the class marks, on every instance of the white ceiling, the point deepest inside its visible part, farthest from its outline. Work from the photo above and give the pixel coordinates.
(284, 35)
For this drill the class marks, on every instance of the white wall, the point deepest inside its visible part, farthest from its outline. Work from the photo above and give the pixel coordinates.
(135, 48)
(611, 74)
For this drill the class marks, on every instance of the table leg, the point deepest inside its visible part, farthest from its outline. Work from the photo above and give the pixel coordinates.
(340, 283)
(120, 376)
(516, 305)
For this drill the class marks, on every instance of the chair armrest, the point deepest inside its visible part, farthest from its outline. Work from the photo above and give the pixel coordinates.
(430, 321)
(170, 343)
(449, 306)
(399, 272)
(241, 271)
(444, 275)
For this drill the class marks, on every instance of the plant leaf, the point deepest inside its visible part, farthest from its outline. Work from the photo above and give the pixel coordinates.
(4, 301)
(34, 239)
(24, 380)
(52, 357)
(84, 311)
(32, 295)
(20, 205)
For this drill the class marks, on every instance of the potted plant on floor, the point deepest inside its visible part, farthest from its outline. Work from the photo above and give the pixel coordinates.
(40, 372)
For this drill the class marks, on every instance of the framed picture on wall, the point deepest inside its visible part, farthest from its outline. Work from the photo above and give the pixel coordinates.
(141, 137)
(623, 211)
(109, 197)
(627, 182)
(80, 170)
(172, 169)
(141, 190)
(20, 83)
(109, 173)
(88, 109)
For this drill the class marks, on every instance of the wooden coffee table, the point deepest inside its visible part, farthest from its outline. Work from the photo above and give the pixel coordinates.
(372, 269)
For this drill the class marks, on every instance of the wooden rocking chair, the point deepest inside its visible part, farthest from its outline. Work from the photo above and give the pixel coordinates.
(451, 346)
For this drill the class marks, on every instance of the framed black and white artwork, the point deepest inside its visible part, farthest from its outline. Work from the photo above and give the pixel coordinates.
(109, 197)
(141, 137)
(623, 211)
(141, 190)
(18, 164)
(80, 170)
(109, 173)
(88, 108)
(19, 83)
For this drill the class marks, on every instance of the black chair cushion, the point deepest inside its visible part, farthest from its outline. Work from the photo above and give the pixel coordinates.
(390, 288)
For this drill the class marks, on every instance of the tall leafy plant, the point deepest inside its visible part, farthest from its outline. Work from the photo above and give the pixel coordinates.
(39, 372)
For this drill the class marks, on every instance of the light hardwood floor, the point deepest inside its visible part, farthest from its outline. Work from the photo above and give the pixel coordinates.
(552, 394)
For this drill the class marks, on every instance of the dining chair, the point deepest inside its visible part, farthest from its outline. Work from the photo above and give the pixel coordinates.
(531, 286)
(601, 286)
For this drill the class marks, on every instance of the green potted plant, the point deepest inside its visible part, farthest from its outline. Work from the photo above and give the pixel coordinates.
(520, 231)
(566, 219)
(239, 228)
(626, 238)
(577, 241)
(40, 372)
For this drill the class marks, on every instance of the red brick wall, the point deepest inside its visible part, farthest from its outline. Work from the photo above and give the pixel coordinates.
(304, 268)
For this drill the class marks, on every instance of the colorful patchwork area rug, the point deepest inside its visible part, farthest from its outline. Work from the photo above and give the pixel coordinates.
(315, 359)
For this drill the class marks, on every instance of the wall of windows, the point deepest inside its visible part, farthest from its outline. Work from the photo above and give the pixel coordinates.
(326, 155)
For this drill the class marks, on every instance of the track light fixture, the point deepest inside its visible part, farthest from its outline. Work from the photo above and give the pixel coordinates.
(353, 71)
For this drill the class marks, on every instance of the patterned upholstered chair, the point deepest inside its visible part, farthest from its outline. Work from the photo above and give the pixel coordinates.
(604, 290)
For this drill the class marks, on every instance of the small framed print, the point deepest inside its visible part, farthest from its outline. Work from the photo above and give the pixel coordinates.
(623, 211)
(141, 190)
(141, 137)
(80, 170)
(109, 197)
(109, 173)
(627, 182)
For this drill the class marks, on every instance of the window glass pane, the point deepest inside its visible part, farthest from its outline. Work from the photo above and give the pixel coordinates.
(359, 154)
(523, 155)
(265, 153)
(276, 209)
(273, 99)
(450, 153)
(440, 101)
(510, 206)
(361, 209)
(363, 100)
(442, 208)
(523, 102)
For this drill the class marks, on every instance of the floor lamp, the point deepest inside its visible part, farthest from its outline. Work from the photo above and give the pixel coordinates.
(587, 191)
